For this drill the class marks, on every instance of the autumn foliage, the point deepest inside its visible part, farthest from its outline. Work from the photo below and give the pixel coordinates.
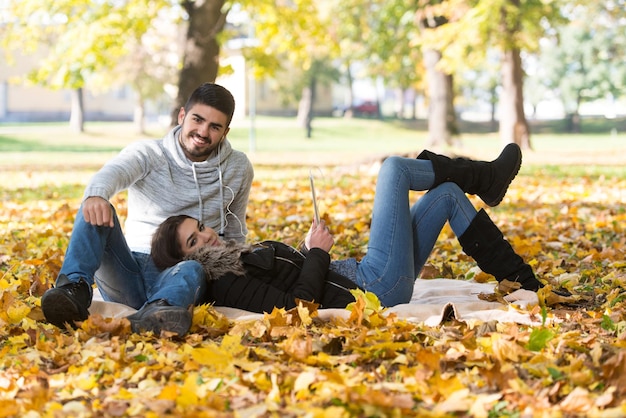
(367, 363)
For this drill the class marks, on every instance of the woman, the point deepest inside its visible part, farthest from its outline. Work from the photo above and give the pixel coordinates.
(401, 239)
(255, 277)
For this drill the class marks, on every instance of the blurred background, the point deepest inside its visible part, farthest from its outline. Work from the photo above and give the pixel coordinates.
(507, 66)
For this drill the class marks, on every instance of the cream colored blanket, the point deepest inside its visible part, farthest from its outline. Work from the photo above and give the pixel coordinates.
(433, 301)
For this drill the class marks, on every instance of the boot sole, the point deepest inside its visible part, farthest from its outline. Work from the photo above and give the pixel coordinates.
(59, 309)
(498, 199)
(175, 319)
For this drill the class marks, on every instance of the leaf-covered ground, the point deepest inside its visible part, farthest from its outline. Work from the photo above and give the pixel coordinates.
(571, 229)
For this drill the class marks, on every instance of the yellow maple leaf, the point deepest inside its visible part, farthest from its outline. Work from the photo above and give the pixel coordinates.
(169, 392)
(366, 307)
(232, 344)
(86, 381)
(187, 395)
(297, 345)
(17, 311)
(207, 319)
(214, 357)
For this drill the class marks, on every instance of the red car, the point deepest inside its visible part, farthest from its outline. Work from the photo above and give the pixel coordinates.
(367, 108)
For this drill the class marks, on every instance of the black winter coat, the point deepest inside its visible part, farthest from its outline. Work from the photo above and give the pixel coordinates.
(276, 274)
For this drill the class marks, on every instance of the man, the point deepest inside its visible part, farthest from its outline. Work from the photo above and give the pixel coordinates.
(192, 170)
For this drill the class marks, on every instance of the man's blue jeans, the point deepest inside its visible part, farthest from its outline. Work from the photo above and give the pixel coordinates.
(403, 236)
(101, 254)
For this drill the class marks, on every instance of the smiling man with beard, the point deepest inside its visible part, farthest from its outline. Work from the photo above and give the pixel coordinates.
(193, 170)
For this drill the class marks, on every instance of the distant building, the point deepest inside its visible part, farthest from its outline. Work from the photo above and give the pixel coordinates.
(32, 103)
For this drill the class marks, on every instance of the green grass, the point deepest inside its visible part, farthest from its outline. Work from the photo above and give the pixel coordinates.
(330, 135)
(49, 160)
(335, 141)
(562, 171)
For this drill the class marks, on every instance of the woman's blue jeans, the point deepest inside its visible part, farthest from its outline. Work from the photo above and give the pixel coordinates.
(403, 236)
(101, 254)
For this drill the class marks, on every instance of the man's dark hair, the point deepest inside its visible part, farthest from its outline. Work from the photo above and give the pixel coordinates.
(213, 95)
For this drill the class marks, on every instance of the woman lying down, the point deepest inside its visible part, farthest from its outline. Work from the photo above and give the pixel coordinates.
(258, 277)
(270, 274)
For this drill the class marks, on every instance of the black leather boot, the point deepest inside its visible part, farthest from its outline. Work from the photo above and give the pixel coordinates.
(488, 180)
(67, 302)
(160, 316)
(483, 241)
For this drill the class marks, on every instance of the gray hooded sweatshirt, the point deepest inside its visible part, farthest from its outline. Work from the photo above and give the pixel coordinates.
(162, 182)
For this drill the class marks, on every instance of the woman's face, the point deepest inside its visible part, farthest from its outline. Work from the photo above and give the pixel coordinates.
(192, 235)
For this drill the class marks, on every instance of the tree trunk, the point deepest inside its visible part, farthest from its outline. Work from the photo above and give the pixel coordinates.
(348, 112)
(572, 114)
(576, 123)
(451, 122)
(493, 104)
(139, 116)
(77, 113)
(513, 123)
(441, 115)
(201, 49)
(305, 109)
(400, 105)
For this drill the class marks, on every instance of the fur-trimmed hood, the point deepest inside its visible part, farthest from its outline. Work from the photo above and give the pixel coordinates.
(223, 259)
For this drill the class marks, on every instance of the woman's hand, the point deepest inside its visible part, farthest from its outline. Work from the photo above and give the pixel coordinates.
(319, 236)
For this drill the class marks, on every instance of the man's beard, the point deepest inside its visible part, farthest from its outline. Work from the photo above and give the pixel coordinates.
(195, 152)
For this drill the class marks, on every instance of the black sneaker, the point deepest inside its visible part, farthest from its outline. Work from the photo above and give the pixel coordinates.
(160, 316)
(67, 302)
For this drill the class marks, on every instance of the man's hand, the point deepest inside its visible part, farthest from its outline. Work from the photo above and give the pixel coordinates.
(98, 211)
(319, 237)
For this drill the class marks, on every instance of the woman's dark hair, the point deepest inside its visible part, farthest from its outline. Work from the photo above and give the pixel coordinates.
(166, 251)
(213, 95)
